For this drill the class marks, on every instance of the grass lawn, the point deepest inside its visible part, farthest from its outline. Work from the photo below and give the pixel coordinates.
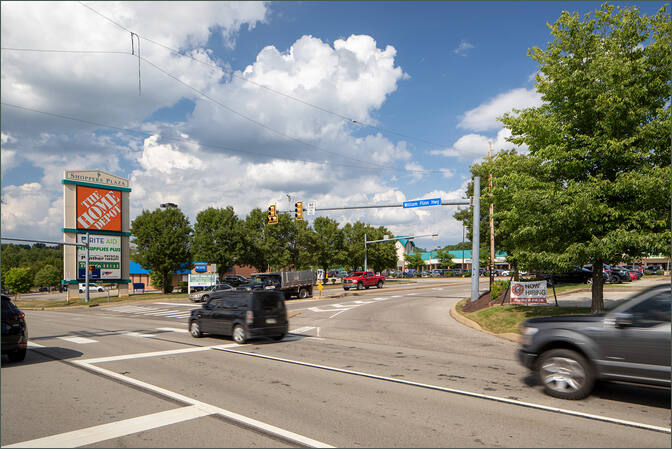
(502, 319)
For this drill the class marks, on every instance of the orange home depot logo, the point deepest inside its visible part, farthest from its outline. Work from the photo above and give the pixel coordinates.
(98, 209)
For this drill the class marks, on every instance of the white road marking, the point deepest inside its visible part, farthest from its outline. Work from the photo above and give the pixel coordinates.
(364, 302)
(395, 296)
(193, 306)
(95, 434)
(338, 313)
(460, 392)
(210, 409)
(142, 355)
(137, 334)
(34, 345)
(301, 330)
(410, 294)
(78, 340)
(172, 329)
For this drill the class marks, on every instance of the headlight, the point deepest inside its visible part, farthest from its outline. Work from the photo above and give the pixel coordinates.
(527, 333)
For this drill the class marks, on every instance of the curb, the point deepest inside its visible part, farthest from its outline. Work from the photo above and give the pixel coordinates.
(474, 325)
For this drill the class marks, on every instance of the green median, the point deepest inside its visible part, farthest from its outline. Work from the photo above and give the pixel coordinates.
(508, 318)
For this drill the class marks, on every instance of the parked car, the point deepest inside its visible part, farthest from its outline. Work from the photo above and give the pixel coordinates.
(635, 275)
(14, 331)
(92, 287)
(607, 274)
(575, 276)
(242, 315)
(630, 343)
(204, 295)
(656, 269)
(637, 268)
(234, 280)
(363, 279)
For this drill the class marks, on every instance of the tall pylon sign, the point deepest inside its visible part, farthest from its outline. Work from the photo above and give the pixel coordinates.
(97, 206)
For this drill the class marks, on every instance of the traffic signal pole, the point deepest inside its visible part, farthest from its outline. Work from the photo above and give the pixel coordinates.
(86, 271)
(475, 239)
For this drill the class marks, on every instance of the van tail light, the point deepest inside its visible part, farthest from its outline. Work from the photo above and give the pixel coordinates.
(249, 317)
(19, 315)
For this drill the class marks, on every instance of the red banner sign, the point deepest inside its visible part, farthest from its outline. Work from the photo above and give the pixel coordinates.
(98, 209)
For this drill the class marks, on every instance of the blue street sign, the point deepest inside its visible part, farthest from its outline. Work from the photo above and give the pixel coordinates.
(200, 266)
(422, 203)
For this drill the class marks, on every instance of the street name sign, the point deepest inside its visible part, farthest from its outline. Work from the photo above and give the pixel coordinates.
(422, 203)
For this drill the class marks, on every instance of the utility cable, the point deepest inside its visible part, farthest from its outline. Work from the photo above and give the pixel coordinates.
(232, 74)
(184, 140)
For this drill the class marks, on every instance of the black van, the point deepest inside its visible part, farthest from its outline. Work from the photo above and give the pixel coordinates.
(242, 315)
(14, 331)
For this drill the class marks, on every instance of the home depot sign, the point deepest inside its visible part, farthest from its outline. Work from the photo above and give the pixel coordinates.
(98, 208)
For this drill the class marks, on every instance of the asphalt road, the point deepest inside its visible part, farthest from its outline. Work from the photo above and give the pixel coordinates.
(381, 368)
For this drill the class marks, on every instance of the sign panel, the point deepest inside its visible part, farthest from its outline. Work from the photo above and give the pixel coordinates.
(104, 257)
(200, 266)
(311, 208)
(528, 292)
(98, 208)
(202, 280)
(422, 203)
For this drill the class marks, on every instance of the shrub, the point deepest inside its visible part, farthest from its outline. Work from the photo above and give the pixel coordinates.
(497, 288)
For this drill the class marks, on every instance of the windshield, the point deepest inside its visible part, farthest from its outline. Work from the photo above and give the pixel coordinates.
(358, 273)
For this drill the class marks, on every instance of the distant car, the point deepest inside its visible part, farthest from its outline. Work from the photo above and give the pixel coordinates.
(206, 294)
(576, 276)
(242, 315)
(14, 331)
(630, 343)
(92, 287)
(635, 275)
(607, 275)
(234, 280)
(655, 268)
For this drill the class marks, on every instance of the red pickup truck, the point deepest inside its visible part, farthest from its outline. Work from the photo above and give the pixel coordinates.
(363, 279)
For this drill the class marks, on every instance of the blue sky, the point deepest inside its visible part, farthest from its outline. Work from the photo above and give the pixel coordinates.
(437, 72)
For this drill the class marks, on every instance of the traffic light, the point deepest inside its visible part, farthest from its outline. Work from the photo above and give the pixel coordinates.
(298, 210)
(91, 267)
(272, 215)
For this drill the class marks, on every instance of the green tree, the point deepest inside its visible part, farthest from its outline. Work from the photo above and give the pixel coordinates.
(414, 260)
(48, 276)
(444, 257)
(379, 255)
(218, 238)
(595, 186)
(18, 280)
(162, 239)
(328, 243)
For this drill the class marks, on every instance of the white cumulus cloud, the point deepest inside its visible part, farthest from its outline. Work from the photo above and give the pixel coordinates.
(484, 116)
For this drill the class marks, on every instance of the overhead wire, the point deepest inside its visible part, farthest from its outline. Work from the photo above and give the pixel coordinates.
(232, 74)
(185, 140)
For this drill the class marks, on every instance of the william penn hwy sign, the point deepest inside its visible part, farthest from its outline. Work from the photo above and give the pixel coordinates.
(422, 203)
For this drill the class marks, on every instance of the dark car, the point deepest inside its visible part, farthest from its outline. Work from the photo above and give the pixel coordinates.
(630, 343)
(14, 331)
(656, 269)
(577, 275)
(242, 315)
(609, 275)
(235, 280)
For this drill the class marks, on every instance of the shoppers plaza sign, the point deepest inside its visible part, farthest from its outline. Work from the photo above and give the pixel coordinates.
(98, 208)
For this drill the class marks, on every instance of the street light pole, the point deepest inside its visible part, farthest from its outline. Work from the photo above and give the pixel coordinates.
(365, 254)
(475, 238)
(492, 223)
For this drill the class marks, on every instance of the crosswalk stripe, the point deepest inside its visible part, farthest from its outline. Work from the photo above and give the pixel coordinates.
(138, 334)
(78, 340)
(172, 329)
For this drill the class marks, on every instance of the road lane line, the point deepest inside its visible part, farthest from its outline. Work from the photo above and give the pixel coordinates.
(95, 434)
(338, 313)
(460, 392)
(210, 409)
(78, 340)
(137, 334)
(115, 358)
(172, 329)
(193, 306)
(301, 330)
(34, 345)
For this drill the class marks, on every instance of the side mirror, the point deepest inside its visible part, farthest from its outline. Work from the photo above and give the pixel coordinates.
(623, 320)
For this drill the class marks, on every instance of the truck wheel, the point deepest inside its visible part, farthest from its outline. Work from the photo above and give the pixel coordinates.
(380, 284)
(360, 286)
(205, 298)
(565, 374)
(303, 293)
(346, 288)
(17, 355)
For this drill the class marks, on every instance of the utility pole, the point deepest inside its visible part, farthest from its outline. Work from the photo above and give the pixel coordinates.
(86, 270)
(475, 239)
(492, 222)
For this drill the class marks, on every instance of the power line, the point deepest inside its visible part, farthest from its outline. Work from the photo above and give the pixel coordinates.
(232, 74)
(175, 139)
(38, 50)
